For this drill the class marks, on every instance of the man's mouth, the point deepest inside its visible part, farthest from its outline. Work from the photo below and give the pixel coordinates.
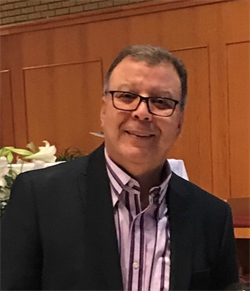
(140, 134)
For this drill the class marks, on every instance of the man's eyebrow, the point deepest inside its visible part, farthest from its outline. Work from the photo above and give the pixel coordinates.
(154, 93)
(124, 87)
(161, 93)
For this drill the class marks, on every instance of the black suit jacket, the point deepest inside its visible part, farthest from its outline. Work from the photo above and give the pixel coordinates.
(58, 232)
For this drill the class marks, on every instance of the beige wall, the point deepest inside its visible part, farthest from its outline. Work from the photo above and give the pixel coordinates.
(16, 11)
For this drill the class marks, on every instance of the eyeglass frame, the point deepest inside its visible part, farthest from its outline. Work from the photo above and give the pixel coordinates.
(142, 98)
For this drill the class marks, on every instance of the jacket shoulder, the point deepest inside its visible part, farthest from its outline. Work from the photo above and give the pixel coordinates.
(195, 193)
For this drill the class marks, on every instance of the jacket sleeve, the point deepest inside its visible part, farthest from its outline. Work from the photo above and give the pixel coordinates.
(21, 257)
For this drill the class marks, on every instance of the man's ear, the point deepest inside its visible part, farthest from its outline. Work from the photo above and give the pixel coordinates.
(103, 111)
(181, 122)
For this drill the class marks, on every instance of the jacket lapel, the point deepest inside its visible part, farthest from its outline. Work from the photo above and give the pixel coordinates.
(181, 234)
(100, 220)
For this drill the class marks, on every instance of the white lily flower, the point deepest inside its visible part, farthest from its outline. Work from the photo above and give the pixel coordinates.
(5, 195)
(3, 170)
(46, 153)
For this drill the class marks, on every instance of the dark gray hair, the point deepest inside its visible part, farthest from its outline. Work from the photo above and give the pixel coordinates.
(152, 55)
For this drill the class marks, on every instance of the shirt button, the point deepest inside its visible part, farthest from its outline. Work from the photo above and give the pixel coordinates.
(135, 265)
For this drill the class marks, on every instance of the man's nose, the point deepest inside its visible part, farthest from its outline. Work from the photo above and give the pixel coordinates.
(142, 112)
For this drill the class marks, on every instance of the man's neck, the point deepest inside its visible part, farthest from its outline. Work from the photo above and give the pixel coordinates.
(146, 174)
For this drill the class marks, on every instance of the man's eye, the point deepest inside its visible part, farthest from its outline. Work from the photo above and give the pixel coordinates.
(126, 97)
(162, 103)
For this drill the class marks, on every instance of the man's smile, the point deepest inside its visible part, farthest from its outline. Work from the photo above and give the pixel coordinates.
(140, 134)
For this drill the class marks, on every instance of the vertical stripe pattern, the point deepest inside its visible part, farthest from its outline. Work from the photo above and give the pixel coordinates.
(143, 235)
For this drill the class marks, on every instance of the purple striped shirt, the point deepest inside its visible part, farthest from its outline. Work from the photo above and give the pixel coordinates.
(143, 235)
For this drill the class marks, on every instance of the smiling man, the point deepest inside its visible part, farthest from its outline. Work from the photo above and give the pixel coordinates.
(119, 218)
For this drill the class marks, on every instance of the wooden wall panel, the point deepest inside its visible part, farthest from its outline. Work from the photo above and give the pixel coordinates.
(12, 59)
(235, 17)
(239, 117)
(6, 110)
(63, 104)
(197, 130)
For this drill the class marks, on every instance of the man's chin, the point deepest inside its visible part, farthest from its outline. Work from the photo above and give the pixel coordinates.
(137, 154)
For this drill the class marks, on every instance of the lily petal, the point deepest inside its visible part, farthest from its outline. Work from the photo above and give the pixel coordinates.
(31, 146)
(46, 153)
(3, 170)
(3, 166)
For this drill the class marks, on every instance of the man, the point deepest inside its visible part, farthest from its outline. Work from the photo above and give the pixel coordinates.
(119, 219)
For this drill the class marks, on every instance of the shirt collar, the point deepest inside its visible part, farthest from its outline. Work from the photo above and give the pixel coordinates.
(120, 180)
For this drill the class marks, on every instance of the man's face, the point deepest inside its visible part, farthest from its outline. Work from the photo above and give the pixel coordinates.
(139, 138)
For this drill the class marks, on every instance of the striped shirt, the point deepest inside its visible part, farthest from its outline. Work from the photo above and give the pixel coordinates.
(143, 235)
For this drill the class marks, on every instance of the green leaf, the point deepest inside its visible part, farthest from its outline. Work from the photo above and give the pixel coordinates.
(4, 151)
(9, 180)
(22, 152)
(10, 148)
(9, 157)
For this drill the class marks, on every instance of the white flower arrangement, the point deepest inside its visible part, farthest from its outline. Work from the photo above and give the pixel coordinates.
(34, 157)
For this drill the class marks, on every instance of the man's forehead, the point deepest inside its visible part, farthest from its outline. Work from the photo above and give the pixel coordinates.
(129, 64)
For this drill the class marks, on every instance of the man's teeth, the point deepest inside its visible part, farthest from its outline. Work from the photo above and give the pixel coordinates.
(141, 134)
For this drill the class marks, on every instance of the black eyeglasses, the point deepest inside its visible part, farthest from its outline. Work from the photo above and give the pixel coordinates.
(128, 101)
